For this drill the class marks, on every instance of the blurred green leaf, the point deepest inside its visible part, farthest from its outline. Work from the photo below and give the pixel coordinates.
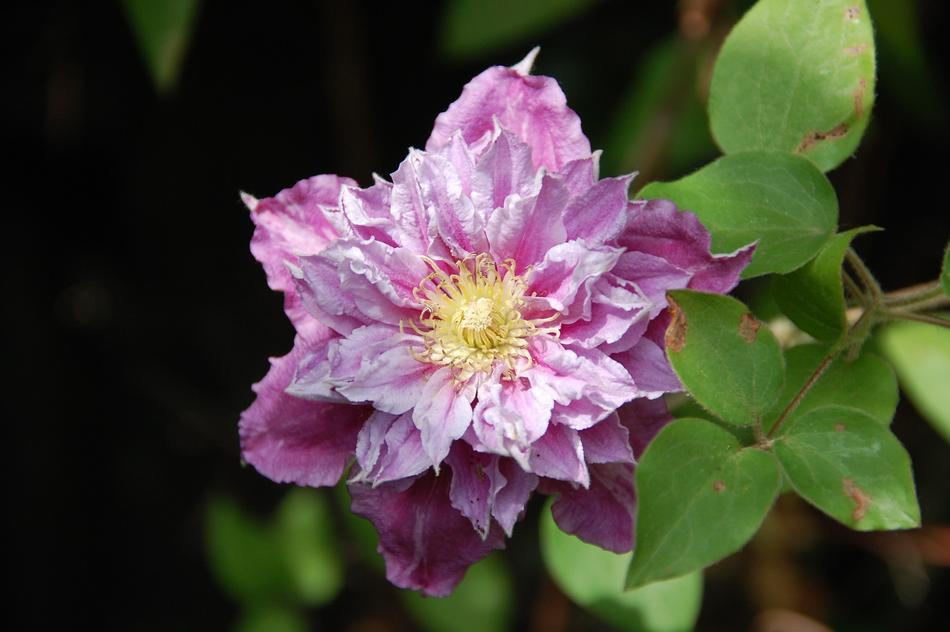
(292, 559)
(244, 555)
(727, 360)
(866, 384)
(304, 531)
(813, 295)
(798, 77)
(162, 30)
(473, 27)
(661, 124)
(272, 618)
(920, 354)
(482, 602)
(780, 199)
(701, 496)
(850, 466)
(594, 578)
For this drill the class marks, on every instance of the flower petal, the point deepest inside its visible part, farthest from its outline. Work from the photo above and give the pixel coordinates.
(475, 482)
(651, 371)
(600, 213)
(504, 170)
(559, 454)
(526, 228)
(389, 448)
(511, 499)
(293, 440)
(568, 272)
(643, 418)
(532, 107)
(603, 514)
(290, 224)
(426, 543)
(658, 228)
(607, 441)
(443, 413)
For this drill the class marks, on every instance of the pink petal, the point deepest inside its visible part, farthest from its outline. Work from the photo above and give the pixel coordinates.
(321, 292)
(607, 442)
(526, 228)
(512, 414)
(559, 454)
(443, 413)
(294, 440)
(291, 224)
(426, 543)
(657, 227)
(604, 513)
(533, 108)
(599, 214)
(511, 499)
(368, 211)
(475, 482)
(505, 169)
(568, 272)
(389, 448)
(414, 226)
(390, 378)
(459, 226)
(650, 369)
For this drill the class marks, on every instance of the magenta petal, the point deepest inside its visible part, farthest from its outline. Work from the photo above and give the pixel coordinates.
(567, 274)
(607, 442)
(294, 440)
(511, 499)
(532, 107)
(388, 375)
(650, 369)
(475, 482)
(658, 228)
(426, 543)
(643, 418)
(604, 513)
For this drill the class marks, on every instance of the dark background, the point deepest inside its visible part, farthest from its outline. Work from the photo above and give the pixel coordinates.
(135, 318)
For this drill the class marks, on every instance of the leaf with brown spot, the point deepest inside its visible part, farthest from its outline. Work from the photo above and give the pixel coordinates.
(851, 467)
(676, 333)
(789, 78)
(748, 327)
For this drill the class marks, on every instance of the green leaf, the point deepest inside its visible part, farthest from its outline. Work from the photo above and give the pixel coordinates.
(594, 578)
(945, 272)
(866, 384)
(797, 77)
(851, 467)
(482, 602)
(272, 618)
(472, 27)
(304, 532)
(780, 199)
(727, 360)
(813, 295)
(244, 555)
(162, 29)
(920, 354)
(701, 496)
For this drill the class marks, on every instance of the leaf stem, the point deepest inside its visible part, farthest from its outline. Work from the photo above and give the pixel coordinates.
(867, 279)
(853, 288)
(915, 294)
(921, 318)
(792, 405)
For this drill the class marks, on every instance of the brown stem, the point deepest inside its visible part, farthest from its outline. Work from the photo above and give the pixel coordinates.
(853, 287)
(867, 279)
(792, 405)
(921, 318)
(914, 294)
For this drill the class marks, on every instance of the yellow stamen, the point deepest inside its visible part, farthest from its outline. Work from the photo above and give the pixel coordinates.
(473, 318)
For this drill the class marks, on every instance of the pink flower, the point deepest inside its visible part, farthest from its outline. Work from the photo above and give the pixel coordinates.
(487, 324)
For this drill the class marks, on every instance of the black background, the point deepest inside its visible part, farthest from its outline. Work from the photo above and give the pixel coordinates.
(135, 318)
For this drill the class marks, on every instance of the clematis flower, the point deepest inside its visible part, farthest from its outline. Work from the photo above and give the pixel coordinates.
(486, 324)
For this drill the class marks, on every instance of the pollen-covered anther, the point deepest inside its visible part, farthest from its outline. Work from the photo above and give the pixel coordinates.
(473, 317)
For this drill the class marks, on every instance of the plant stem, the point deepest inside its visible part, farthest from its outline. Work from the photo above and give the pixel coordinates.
(921, 318)
(867, 279)
(853, 288)
(915, 294)
(792, 405)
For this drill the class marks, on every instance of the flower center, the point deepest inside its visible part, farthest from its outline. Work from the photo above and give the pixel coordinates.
(472, 318)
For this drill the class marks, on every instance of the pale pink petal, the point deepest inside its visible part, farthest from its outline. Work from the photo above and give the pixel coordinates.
(414, 225)
(321, 292)
(389, 448)
(504, 170)
(459, 226)
(367, 211)
(526, 228)
(426, 543)
(615, 306)
(603, 514)
(654, 276)
(580, 175)
(443, 413)
(292, 440)
(568, 272)
(511, 499)
(532, 107)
